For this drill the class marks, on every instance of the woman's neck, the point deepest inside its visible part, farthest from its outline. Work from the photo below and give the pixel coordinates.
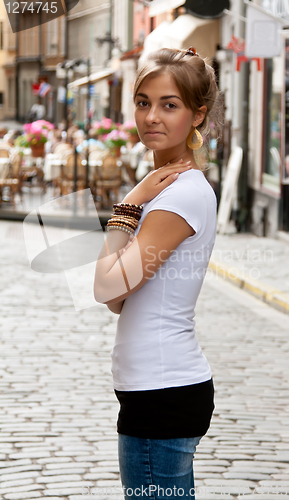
(173, 155)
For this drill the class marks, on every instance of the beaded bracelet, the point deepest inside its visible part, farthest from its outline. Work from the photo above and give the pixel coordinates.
(122, 224)
(126, 220)
(119, 228)
(125, 217)
(135, 215)
(115, 205)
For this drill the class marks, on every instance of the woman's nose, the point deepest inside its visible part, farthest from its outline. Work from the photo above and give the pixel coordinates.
(152, 116)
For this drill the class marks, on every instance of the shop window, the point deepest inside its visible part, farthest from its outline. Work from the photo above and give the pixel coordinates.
(52, 38)
(285, 175)
(11, 93)
(272, 123)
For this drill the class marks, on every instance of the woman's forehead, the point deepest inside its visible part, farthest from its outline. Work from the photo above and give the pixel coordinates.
(159, 84)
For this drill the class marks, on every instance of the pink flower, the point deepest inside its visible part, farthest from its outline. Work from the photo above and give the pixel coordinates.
(44, 124)
(106, 123)
(129, 124)
(115, 135)
(27, 127)
(123, 135)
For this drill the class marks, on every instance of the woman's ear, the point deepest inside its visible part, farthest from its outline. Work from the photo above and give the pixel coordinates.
(199, 116)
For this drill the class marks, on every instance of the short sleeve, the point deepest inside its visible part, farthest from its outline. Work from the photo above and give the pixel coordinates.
(185, 199)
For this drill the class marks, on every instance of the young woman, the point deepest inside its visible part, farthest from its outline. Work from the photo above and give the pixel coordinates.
(151, 271)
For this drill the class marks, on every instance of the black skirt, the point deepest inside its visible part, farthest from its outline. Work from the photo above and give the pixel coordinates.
(174, 412)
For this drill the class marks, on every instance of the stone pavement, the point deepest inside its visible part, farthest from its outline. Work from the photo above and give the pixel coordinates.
(258, 265)
(58, 411)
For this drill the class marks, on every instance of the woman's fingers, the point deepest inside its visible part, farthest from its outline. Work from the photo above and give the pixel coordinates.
(169, 179)
(165, 172)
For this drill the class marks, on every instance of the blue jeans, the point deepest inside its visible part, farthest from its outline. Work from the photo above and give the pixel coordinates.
(160, 469)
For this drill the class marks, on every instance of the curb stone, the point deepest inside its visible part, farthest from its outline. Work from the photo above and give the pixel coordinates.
(272, 296)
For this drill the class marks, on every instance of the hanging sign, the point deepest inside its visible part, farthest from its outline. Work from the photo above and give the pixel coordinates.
(238, 46)
(263, 37)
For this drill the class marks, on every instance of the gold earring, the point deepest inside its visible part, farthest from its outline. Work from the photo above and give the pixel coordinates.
(195, 145)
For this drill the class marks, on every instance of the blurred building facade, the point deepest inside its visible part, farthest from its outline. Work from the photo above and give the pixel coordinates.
(255, 100)
(101, 31)
(112, 38)
(39, 49)
(7, 67)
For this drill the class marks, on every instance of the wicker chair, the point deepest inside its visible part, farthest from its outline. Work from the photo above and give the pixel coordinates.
(109, 181)
(66, 181)
(12, 180)
(4, 152)
(61, 148)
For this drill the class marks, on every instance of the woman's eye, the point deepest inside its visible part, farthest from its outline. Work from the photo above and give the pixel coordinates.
(141, 104)
(171, 105)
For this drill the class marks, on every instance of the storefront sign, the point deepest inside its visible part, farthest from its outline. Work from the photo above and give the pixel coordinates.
(262, 34)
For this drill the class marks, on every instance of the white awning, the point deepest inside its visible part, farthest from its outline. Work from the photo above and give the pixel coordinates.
(184, 32)
(155, 40)
(93, 78)
(157, 7)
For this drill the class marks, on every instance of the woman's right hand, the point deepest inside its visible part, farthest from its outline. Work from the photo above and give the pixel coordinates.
(155, 181)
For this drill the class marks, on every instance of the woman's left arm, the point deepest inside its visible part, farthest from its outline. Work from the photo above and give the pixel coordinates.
(117, 277)
(119, 274)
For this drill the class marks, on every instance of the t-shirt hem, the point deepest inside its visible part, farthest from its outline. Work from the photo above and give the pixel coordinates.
(162, 384)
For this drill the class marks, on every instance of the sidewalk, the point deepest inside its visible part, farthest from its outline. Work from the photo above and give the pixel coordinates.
(58, 411)
(258, 265)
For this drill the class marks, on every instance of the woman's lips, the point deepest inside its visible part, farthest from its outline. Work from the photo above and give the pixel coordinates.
(154, 133)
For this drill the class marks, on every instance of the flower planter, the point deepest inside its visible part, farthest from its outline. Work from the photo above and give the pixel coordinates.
(37, 150)
(116, 151)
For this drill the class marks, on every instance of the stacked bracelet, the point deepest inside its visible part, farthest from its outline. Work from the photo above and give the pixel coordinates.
(125, 217)
(128, 209)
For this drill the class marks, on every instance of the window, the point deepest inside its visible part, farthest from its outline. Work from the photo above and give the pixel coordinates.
(285, 174)
(272, 123)
(62, 36)
(1, 99)
(11, 93)
(11, 39)
(52, 38)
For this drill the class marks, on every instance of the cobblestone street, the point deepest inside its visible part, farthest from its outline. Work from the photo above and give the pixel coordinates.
(58, 410)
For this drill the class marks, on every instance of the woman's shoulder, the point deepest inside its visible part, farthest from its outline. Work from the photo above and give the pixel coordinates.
(188, 184)
(189, 193)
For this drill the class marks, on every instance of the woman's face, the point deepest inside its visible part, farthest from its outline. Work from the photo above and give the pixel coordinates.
(162, 119)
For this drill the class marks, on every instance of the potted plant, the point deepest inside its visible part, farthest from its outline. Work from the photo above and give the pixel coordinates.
(114, 140)
(104, 127)
(36, 135)
(130, 127)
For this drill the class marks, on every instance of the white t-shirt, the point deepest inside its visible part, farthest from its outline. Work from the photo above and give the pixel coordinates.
(155, 345)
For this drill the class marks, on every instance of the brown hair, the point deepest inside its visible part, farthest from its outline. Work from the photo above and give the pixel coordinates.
(194, 78)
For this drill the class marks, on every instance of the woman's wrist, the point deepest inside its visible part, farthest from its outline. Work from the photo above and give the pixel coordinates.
(132, 198)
